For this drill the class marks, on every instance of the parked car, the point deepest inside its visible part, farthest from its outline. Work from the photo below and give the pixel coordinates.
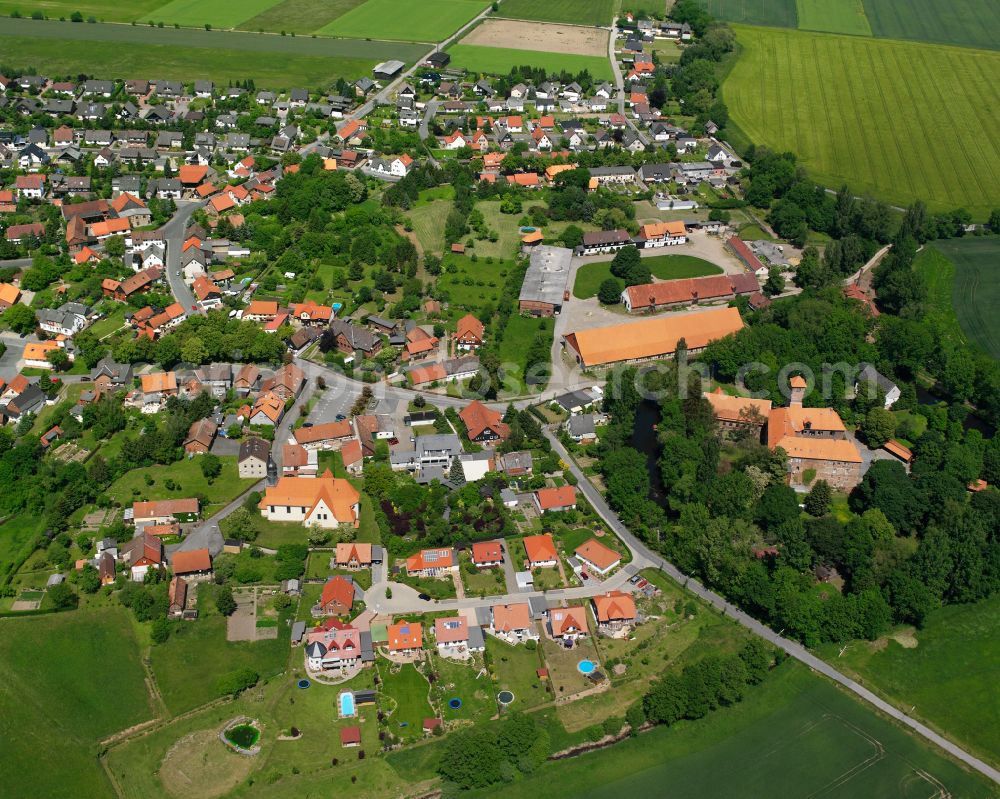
(424, 597)
(340, 417)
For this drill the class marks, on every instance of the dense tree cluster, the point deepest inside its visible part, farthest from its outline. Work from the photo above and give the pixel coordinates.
(705, 685)
(480, 756)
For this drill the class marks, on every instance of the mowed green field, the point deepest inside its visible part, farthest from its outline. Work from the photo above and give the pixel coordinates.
(972, 23)
(833, 16)
(66, 682)
(102, 10)
(574, 12)
(794, 736)
(500, 60)
(402, 20)
(939, 275)
(949, 677)
(779, 13)
(217, 13)
(899, 120)
(975, 293)
(124, 51)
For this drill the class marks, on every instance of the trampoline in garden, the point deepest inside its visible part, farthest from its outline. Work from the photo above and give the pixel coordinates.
(303, 684)
(586, 667)
(455, 703)
(505, 697)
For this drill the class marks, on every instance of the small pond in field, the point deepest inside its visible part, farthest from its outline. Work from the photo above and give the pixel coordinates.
(245, 736)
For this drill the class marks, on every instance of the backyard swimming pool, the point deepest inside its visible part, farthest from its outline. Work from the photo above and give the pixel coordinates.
(586, 666)
(347, 708)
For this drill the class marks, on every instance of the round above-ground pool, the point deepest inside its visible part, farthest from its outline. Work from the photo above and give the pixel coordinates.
(337, 306)
(586, 666)
(303, 683)
(527, 229)
(455, 703)
(505, 697)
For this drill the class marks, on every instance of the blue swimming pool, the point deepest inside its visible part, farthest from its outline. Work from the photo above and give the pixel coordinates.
(347, 705)
(586, 666)
(337, 306)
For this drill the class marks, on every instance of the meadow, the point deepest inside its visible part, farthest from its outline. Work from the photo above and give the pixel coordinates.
(472, 284)
(794, 735)
(218, 14)
(204, 643)
(123, 51)
(839, 102)
(975, 293)
(102, 10)
(500, 60)
(188, 481)
(427, 21)
(972, 23)
(66, 682)
(664, 267)
(299, 16)
(575, 12)
(517, 338)
(947, 673)
(779, 13)
(833, 16)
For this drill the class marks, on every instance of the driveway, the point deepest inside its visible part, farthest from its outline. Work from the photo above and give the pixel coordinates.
(15, 351)
(509, 574)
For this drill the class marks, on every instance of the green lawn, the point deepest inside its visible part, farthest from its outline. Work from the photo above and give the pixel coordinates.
(517, 338)
(110, 323)
(664, 267)
(464, 680)
(299, 16)
(427, 21)
(197, 653)
(428, 224)
(103, 10)
(500, 60)
(576, 12)
(833, 16)
(188, 479)
(122, 51)
(514, 669)
(482, 582)
(66, 682)
(218, 13)
(316, 715)
(504, 225)
(562, 663)
(975, 290)
(780, 13)
(435, 588)
(472, 284)
(752, 232)
(404, 695)
(948, 679)
(972, 23)
(795, 735)
(283, 769)
(836, 100)
(939, 274)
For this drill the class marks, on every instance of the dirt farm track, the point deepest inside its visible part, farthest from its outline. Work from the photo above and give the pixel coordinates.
(552, 38)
